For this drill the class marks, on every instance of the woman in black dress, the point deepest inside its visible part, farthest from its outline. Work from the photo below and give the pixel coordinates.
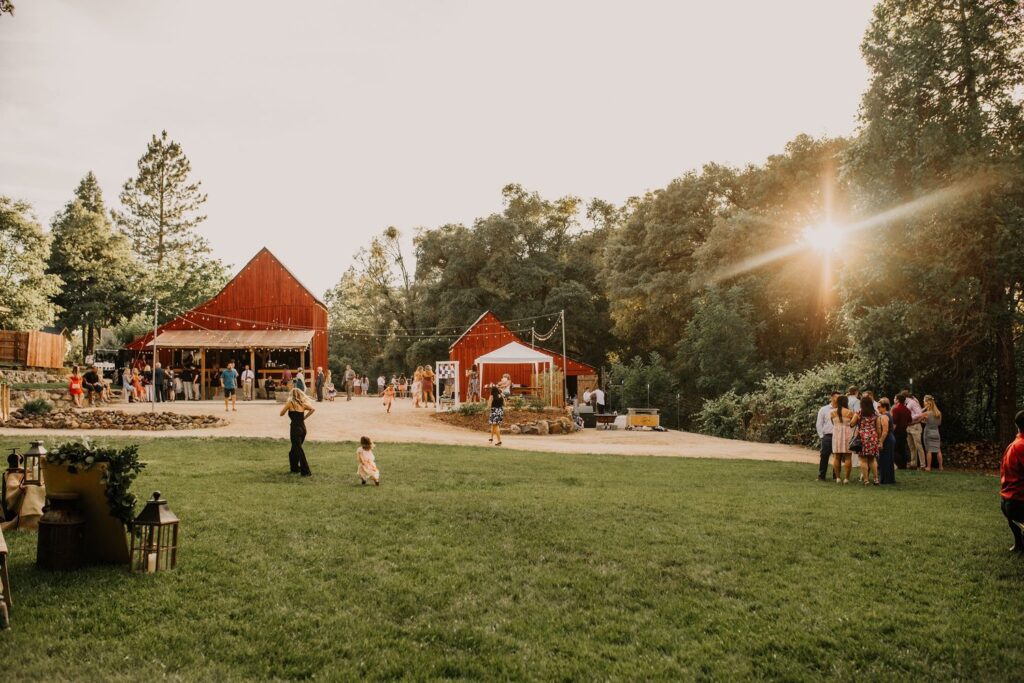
(298, 409)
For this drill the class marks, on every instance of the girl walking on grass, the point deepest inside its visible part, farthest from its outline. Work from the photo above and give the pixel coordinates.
(496, 406)
(367, 462)
(299, 409)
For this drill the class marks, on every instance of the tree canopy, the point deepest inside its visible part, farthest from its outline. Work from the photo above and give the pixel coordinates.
(26, 289)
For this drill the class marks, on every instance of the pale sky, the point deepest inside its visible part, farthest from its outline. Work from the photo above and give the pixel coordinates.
(314, 125)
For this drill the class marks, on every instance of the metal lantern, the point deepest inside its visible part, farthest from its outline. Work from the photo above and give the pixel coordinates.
(33, 464)
(154, 538)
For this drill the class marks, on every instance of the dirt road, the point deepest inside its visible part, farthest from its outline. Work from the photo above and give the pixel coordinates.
(347, 421)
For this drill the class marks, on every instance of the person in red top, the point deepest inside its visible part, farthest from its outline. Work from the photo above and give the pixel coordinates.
(1011, 480)
(75, 387)
(901, 419)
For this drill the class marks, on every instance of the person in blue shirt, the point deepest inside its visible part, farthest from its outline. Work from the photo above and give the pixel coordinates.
(229, 380)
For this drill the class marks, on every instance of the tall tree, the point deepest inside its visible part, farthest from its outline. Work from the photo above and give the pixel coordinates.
(25, 286)
(160, 216)
(101, 277)
(944, 105)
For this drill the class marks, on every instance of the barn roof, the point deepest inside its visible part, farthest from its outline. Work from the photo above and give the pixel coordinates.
(234, 339)
(283, 267)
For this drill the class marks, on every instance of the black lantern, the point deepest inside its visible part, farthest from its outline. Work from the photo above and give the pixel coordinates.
(154, 538)
(33, 464)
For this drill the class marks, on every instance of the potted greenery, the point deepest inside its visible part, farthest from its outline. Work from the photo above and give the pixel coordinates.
(102, 476)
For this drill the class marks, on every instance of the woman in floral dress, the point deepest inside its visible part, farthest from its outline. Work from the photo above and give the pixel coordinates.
(869, 427)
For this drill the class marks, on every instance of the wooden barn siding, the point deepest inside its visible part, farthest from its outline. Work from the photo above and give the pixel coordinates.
(264, 291)
(32, 349)
(490, 334)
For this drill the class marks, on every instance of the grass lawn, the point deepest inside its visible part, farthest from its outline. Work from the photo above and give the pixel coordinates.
(485, 563)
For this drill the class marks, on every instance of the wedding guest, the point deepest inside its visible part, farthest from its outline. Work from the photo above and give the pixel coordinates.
(428, 385)
(366, 386)
(389, 397)
(187, 374)
(853, 398)
(474, 384)
(823, 425)
(137, 383)
(75, 387)
(197, 385)
(1011, 485)
(127, 390)
(869, 429)
(887, 456)
(229, 379)
(417, 386)
(350, 379)
(248, 384)
(918, 458)
(901, 419)
(321, 379)
(842, 433)
(381, 383)
(299, 381)
(367, 462)
(496, 415)
(299, 410)
(93, 384)
(932, 418)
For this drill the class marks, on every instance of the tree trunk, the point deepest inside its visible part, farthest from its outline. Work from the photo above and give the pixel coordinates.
(1006, 380)
(90, 345)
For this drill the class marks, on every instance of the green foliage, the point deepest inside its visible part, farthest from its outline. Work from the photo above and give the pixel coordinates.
(123, 466)
(719, 350)
(100, 275)
(640, 384)
(26, 289)
(160, 217)
(37, 406)
(784, 408)
(472, 408)
(600, 567)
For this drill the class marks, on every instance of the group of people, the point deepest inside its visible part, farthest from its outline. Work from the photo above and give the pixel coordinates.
(884, 437)
(89, 386)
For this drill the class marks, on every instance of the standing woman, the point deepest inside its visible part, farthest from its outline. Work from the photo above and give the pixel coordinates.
(299, 409)
(932, 418)
(842, 433)
(428, 385)
(887, 458)
(417, 386)
(496, 406)
(474, 384)
(869, 428)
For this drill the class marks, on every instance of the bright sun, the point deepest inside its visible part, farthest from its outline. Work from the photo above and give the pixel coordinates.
(825, 238)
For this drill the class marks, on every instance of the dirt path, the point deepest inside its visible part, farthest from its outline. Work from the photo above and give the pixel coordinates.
(344, 421)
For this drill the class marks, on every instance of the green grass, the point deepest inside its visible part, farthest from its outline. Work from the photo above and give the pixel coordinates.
(48, 386)
(485, 563)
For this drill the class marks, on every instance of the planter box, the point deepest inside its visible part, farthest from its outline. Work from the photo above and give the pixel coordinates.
(105, 537)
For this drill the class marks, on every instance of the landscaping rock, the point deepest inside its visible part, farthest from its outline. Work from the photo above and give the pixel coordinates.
(542, 427)
(111, 419)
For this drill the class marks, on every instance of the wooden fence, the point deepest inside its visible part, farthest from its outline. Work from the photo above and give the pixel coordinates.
(32, 349)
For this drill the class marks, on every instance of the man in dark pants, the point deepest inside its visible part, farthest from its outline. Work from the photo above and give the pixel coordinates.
(824, 427)
(159, 391)
(1011, 479)
(319, 385)
(901, 419)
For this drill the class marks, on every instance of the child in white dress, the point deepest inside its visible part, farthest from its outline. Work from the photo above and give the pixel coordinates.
(367, 462)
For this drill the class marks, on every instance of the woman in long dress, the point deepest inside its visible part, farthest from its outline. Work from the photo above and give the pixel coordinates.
(428, 385)
(417, 386)
(870, 431)
(298, 409)
(841, 434)
(887, 457)
(496, 414)
(474, 383)
(932, 438)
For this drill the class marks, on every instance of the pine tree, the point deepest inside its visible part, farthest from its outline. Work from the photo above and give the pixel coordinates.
(160, 216)
(100, 274)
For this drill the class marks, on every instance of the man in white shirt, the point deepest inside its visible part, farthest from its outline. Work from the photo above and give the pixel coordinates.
(248, 380)
(917, 454)
(823, 425)
(586, 397)
(381, 383)
(853, 399)
(599, 399)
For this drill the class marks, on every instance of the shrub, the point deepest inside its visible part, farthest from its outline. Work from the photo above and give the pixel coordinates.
(37, 406)
(474, 408)
(784, 409)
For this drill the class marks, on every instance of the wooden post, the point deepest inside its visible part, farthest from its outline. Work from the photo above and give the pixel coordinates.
(202, 374)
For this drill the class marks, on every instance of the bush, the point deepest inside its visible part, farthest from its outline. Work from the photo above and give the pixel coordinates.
(474, 408)
(37, 406)
(784, 409)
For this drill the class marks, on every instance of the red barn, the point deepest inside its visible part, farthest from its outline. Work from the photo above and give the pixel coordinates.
(487, 334)
(263, 317)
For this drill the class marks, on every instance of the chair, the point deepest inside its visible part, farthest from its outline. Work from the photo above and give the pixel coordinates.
(5, 579)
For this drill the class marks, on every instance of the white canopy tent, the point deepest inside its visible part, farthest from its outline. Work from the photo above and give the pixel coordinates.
(513, 353)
